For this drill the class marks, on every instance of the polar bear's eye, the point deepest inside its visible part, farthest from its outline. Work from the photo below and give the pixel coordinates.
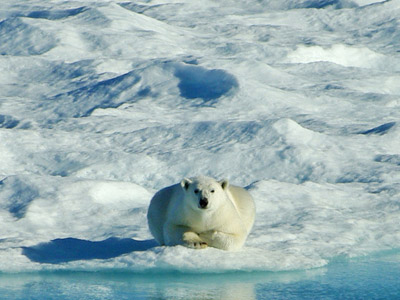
(212, 191)
(196, 191)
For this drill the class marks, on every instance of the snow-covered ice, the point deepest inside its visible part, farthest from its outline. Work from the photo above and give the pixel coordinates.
(102, 103)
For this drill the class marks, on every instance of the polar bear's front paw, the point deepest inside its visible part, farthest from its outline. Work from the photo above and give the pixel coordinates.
(197, 245)
(192, 240)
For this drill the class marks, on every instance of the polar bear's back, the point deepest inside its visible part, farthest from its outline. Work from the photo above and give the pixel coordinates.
(157, 213)
(244, 204)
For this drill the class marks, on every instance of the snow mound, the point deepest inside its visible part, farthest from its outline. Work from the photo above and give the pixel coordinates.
(20, 38)
(339, 54)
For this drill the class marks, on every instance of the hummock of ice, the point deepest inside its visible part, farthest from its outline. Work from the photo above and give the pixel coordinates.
(104, 103)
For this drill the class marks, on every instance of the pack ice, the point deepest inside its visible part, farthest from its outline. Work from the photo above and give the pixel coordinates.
(104, 103)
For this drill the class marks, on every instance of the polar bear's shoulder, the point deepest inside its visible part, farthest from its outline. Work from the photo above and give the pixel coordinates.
(244, 204)
(241, 197)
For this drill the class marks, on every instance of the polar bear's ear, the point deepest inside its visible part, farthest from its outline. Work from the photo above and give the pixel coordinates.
(185, 183)
(224, 184)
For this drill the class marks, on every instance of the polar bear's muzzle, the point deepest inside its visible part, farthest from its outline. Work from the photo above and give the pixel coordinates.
(203, 203)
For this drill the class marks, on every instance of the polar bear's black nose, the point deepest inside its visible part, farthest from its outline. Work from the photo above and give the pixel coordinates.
(203, 202)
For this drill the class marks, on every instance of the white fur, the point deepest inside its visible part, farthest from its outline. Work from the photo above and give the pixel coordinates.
(176, 217)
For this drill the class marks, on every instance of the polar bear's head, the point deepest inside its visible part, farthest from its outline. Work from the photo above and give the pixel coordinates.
(204, 193)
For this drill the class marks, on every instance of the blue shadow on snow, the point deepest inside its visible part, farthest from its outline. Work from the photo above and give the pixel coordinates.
(71, 249)
(380, 130)
(56, 14)
(198, 82)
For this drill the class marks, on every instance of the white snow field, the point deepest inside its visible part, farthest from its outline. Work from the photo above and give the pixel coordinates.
(102, 103)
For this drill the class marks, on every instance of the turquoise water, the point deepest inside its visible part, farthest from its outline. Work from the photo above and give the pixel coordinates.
(375, 277)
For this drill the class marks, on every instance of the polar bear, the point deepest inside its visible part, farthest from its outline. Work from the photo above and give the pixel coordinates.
(201, 212)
